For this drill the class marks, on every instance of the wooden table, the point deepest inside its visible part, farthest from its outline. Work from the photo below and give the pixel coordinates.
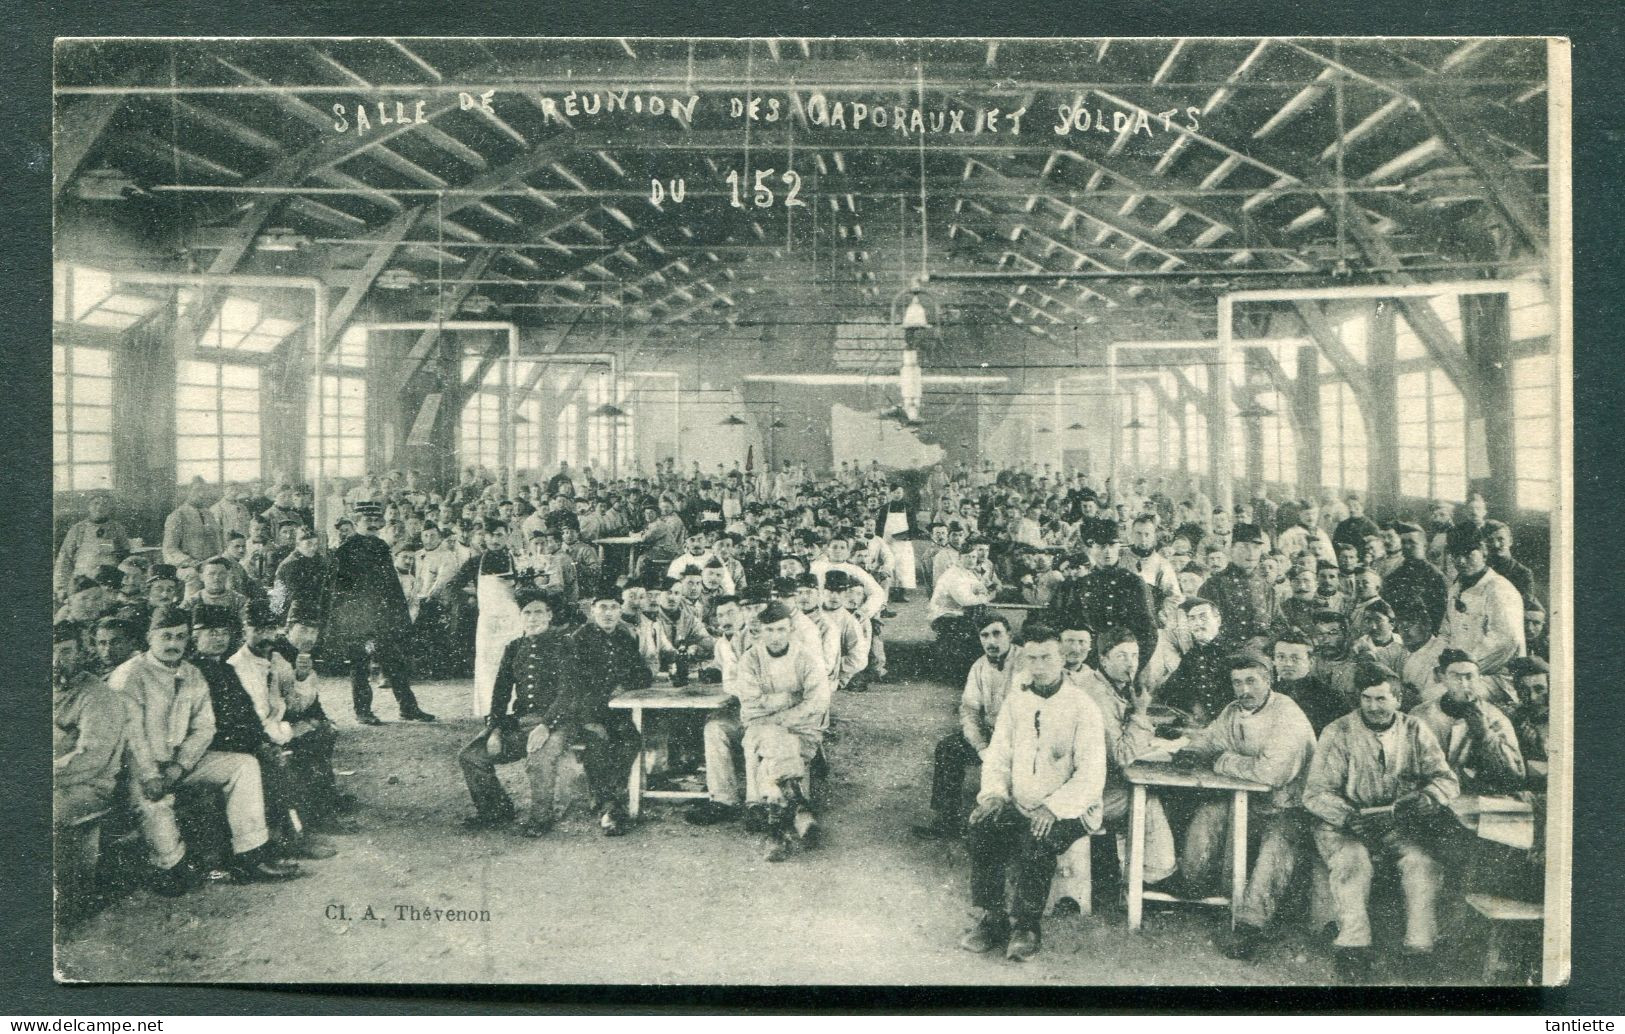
(1017, 606)
(632, 542)
(1500, 820)
(694, 697)
(1155, 773)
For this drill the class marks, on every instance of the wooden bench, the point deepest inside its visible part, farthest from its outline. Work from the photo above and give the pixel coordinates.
(1500, 912)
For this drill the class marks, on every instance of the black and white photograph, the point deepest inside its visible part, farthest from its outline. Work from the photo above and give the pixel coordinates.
(785, 511)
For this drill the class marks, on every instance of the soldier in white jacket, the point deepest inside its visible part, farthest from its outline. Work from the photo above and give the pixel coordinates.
(1042, 777)
(1483, 614)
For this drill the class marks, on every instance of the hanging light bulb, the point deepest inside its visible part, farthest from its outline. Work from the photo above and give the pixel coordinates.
(914, 316)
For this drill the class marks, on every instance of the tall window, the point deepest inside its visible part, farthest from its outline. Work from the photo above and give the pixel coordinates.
(1195, 439)
(566, 435)
(1432, 437)
(1534, 429)
(599, 428)
(1342, 439)
(527, 436)
(626, 439)
(336, 419)
(217, 421)
(1280, 455)
(82, 418)
(481, 441)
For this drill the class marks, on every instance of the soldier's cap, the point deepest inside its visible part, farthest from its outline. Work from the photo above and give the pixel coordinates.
(305, 612)
(1407, 528)
(607, 593)
(837, 580)
(525, 597)
(168, 616)
(257, 613)
(64, 632)
(805, 580)
(1192, 602)
(689, 570)
(1463, 539)
(774, 612)
(133, 563)
(1368, 673)
(714, 562)
(210, 615)
(1247, 533)
(162, 572)
(1102, 532)
(755, 592)
(1241, 660)
(1522, 667)
(110, 576)
(784, 586)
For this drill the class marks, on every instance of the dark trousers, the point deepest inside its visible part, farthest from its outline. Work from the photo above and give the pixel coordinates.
(1005, 838)
(277, 787)
(310, 767)
(429, 638)
(948, 777)
(392, 661)
(609, 746)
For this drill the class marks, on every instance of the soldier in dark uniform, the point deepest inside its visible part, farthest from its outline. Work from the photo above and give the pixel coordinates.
(368, 609)
(1114, 597)
(528, 681)
(1200, 686)
(239, 730)
(604, 661)
(1246, 600)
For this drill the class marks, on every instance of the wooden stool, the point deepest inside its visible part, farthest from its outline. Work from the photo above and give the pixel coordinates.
(1074, 876)
(1500, 911)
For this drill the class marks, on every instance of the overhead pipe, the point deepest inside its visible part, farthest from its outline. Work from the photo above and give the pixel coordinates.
(511, 409)
(1226, 341)
(318, 333)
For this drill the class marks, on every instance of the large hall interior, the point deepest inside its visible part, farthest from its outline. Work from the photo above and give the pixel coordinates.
(948, 312)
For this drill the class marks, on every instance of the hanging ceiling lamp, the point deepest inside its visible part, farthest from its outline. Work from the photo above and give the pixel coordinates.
(731, 420)
(1134, 425)
(609, 409)
(1074, 426)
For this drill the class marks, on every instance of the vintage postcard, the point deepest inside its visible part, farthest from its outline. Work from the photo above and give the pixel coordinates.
(808, 511)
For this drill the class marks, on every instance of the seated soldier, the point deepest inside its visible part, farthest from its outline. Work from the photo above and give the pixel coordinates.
(87, 739)
(528, 681)
(724, 733)
(784, 695)
(604, 661)
(957, 603)
(1261, 736)
(169, 729)
(1295, 677)
(1531, 681)
(1377, 776)
(1042, 776)
(1198, 687)
(284, 698)
(239, 727)
(314, 734)
(1130, 737)
(1478, 739)
(985, 689)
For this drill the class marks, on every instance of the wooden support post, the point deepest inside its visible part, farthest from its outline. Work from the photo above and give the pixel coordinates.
(1305, 400)
(1382, 408)
(1487, 332)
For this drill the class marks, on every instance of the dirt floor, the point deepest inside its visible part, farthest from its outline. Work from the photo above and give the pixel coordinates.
(669, 903)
